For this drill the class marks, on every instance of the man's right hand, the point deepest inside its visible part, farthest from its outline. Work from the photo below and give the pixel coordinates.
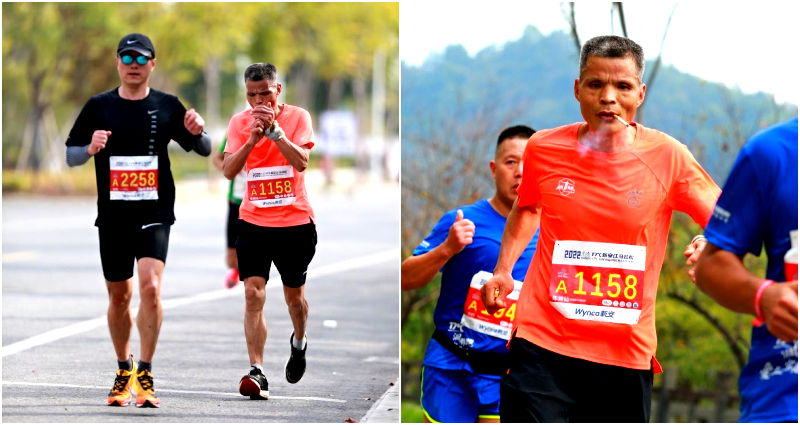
(495, 290)
(779, 306)
(460, 234)
(99, 140)
(256, 131)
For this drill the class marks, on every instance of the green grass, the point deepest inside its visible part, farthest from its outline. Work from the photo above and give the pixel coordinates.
(410, 412)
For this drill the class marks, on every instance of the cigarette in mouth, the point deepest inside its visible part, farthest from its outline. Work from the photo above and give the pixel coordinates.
(619, 118)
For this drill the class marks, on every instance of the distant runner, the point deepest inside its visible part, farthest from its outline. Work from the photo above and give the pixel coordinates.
(127, 130)
(584, 343)
(758, 207)
(236, 189)
(276, 223)
(467, 354)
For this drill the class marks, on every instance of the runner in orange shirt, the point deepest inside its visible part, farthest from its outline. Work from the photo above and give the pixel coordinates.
(584, 341)
(276, 223)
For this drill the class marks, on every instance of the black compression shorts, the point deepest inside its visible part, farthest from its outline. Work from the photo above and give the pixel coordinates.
(120, 245)
(232, 228)
(543, 386)
(290, 248)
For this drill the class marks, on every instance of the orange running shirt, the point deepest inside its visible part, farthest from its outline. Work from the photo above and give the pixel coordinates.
(591, 288)
(276, 193)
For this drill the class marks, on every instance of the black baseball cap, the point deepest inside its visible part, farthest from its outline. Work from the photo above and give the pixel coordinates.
(138, 43)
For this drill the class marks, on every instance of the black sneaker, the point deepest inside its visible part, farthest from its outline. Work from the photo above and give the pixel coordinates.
(254, 385)
(296, 366)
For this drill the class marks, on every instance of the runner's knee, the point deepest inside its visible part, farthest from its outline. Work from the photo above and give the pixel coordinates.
(255, 294)
(150, 291)
(295, 297)
(120, 299)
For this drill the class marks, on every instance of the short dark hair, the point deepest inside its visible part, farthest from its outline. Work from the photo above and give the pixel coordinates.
(521, 131)
(261, 71)
(613, 46)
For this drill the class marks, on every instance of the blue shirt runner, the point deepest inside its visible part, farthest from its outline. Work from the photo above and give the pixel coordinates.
(456, 314)
(758, 206)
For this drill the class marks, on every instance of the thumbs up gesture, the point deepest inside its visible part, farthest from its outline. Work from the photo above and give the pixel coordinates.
(460, 234)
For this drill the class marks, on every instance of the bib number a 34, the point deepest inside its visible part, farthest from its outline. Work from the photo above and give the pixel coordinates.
(477, 318)
(271, 186)
(133, 178)
(597, 281)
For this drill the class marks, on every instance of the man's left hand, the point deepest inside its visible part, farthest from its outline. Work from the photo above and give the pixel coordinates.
(193, 122)
(692, 254)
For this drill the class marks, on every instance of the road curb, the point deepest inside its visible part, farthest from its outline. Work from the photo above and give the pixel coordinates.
(387, 408)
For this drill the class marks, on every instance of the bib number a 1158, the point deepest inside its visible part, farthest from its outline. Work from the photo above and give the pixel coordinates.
(477, 318)
(133, 178)
(271, 186)
(597, 281)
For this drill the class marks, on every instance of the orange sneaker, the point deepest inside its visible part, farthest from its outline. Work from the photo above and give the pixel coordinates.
(145, 393)
(120, 394)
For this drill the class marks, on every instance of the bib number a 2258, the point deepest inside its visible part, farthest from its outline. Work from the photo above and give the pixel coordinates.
(133, 178)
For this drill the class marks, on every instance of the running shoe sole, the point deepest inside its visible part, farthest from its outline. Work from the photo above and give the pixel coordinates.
(249, 387)
(120, 403)
(148, 403)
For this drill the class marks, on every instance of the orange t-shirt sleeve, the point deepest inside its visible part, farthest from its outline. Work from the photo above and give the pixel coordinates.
(235, 135)
(693, 191)
(528, 190)
(303, 132)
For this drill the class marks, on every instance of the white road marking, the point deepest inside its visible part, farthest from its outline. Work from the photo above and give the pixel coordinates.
(376, 359)
(165, 390)
(19, 256)
(87, 325)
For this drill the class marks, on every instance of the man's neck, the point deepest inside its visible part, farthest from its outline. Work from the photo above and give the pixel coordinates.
(129, 92)
(499, 206)
(606, 141)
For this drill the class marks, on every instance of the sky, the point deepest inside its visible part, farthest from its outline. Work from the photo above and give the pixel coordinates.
(749, 45)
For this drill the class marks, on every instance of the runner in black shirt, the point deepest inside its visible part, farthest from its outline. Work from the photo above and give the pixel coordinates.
(127, 130)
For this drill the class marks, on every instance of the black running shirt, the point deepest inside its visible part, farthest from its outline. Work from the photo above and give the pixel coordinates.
(134, 180)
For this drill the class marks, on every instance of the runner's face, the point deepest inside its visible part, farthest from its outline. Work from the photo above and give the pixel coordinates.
(134, 74)
(507, 169)
(609, 86)
(262, 92)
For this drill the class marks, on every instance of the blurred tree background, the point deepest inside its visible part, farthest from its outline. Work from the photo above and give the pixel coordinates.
(330, 56)
(454, 105)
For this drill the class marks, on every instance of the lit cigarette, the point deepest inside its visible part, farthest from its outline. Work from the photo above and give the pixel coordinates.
(619, 118)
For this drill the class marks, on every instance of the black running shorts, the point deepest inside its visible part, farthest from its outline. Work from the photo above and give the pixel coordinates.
(120, 245)
(543, 386)
(290, 248)
(232, 228)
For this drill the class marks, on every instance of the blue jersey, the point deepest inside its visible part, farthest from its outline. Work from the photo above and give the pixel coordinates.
(459, 312)
(758, 206)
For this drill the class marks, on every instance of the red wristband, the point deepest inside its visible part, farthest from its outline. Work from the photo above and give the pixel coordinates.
(759, 320)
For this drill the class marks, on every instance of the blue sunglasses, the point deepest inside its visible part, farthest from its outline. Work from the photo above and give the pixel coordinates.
(128, 59)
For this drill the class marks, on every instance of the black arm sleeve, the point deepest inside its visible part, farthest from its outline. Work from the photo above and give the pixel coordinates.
(77, 155)
(202, 144)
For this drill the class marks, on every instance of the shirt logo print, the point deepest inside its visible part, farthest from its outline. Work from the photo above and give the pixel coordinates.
(566, 187)
(633, 198)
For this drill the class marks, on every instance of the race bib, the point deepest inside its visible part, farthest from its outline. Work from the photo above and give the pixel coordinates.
(133, 178)
(239, 185)
(598, 281)
(271, 186)
(477, 318)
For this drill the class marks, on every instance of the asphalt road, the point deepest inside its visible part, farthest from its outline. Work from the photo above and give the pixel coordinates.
(58, 362)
